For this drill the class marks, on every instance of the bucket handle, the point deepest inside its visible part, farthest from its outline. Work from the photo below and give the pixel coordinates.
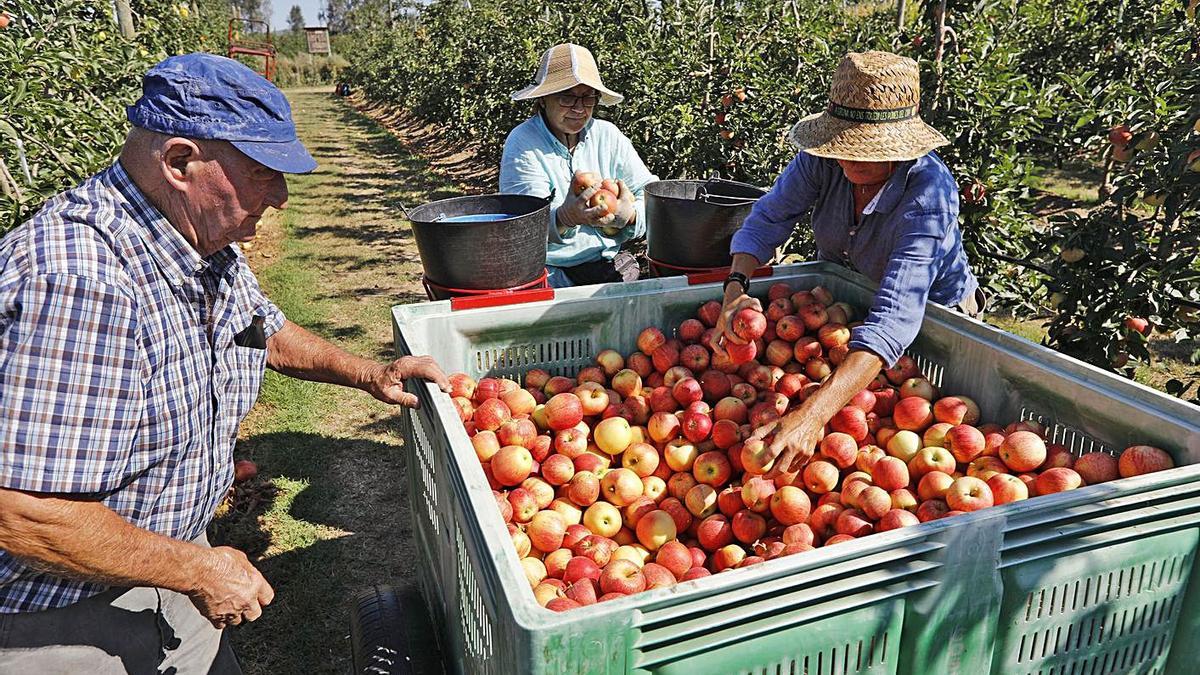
(721, 200)
(548, 200)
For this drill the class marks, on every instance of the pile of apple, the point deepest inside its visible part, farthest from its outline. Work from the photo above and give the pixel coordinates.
(640, 472)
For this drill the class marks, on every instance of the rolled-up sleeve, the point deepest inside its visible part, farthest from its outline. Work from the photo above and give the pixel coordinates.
(522, 174)
(72, 390)
(899, 307)
(773, 217)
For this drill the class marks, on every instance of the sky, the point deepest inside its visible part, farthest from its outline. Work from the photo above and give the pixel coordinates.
(280, 9)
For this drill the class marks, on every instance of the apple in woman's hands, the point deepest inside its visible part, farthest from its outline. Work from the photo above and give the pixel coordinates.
(582, 181)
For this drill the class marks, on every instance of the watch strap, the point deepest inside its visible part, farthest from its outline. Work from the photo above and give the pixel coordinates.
(739, 278)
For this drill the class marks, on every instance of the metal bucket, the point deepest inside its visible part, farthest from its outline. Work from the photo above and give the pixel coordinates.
(482, 242)
(691, 222)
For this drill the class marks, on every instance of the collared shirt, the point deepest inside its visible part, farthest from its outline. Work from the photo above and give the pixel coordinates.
(908, 241)
(538, 164)
(119, 376)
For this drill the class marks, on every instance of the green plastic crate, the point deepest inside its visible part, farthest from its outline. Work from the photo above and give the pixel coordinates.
(950, 596)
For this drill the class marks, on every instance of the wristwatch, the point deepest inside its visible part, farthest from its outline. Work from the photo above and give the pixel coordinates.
(739, 278)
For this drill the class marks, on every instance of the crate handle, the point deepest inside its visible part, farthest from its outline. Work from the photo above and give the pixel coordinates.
(501, 298)
(719, 275)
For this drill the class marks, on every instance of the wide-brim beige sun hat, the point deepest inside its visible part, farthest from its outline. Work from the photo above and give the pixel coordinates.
(872, 114)
(564, 67)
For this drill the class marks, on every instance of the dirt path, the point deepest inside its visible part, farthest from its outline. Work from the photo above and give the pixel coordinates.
(329, 514)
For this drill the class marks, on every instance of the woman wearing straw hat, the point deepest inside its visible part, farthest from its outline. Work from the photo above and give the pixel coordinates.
(543, 154)
(882, 204)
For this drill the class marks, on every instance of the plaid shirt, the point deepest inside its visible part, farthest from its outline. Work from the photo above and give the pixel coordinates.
(119, 375)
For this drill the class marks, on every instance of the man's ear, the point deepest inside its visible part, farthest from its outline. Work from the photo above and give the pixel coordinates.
(176, 159)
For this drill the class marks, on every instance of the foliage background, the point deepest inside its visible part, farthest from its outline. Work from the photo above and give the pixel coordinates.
(711, 88)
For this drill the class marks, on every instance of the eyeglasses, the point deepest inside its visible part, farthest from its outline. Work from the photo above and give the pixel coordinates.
(570, 100)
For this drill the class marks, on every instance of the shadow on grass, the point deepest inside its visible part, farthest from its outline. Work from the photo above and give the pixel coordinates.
(306, 504)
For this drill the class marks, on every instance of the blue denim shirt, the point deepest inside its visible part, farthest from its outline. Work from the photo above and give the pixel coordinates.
(908, 241)
(536, 163)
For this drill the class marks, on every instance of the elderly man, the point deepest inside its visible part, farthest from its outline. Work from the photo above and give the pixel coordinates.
(133, 340)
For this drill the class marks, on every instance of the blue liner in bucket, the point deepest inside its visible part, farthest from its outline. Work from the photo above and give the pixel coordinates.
(477, 218)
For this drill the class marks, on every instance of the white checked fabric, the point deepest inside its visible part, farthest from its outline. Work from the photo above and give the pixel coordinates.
(119, 375)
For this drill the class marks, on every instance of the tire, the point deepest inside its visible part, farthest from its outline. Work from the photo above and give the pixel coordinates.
(382, 636)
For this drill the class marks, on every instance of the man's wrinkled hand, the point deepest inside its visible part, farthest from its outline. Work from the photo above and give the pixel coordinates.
(387, 383)
(230, 589)
(795, 440)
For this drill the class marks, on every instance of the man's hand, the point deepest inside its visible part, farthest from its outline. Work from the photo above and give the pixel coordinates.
(387, 382)
(796, 437)
(735, 302)
(230, 589)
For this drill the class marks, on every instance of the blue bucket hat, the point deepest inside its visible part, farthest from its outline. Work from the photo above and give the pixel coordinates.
(212, 97)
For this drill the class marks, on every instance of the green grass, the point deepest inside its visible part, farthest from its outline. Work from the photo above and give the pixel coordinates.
(1077, 183)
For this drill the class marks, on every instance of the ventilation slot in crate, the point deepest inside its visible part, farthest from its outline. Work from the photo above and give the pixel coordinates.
(1106, 622)
(932, 370)
(852, 658)
(1130, 658)
(558, 357)
(1056, 432)
(477, 626)
(426, 474)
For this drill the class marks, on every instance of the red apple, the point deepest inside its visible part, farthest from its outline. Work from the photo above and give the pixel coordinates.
(1142, 459)
(890, 473)
(1023, 451)
(874, 502)
(985, 467)
(757, 493)
(712, 468)
(749, 324)
(896, 519)
(1097, 467)
(655, 529)
(622, 576)
(1058, 455)
(839, 448)
(583, 489)
(620, 486)
(674, 557)
(821, 477)
(965, 442)
(956, 410)
(1057, 479)
(511, 464)
(714, 532)
(934, 485)
(1007, 488)
(701, 501)
(850, 420)
(563, 411)
(930, 459)
(969, 494)
(748, 526)
(913, 413)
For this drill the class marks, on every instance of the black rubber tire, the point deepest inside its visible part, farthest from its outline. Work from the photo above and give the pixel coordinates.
(385, 639)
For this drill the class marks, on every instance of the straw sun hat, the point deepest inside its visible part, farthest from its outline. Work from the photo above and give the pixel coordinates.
(872, 113)
(563, 67)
